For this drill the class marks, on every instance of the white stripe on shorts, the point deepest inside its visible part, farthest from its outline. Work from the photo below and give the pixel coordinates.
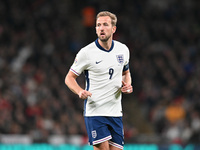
(116, 145)
(102, 140)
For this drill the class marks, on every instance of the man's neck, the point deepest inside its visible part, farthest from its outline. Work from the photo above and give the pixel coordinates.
(106, 45)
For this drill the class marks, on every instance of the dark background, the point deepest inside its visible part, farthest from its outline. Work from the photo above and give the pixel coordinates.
(40, 38)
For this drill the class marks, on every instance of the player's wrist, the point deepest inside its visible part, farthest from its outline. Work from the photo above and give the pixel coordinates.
(79, 92)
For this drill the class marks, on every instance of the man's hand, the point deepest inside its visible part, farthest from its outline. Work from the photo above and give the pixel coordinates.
(83, 94)
(126, 88)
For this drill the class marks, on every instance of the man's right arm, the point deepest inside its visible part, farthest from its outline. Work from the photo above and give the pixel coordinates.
(70, 81)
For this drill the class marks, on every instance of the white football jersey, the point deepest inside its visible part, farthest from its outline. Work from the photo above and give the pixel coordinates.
(103, 71)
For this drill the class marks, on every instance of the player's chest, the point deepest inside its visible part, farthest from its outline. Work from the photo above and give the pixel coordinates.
(103, 62)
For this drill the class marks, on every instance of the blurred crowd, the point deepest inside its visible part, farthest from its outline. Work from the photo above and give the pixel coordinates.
(40, 38)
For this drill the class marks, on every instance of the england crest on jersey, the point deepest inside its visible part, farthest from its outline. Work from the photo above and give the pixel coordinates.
(120, 58)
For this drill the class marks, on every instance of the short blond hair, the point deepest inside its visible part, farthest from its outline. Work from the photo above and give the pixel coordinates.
(111, 15)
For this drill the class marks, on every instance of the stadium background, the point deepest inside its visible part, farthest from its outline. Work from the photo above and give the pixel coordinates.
(39, 40)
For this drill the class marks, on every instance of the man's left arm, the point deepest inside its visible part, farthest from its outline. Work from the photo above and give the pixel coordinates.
(126, 82)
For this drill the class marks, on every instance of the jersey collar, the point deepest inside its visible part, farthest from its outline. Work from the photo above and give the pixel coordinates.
(101, 48)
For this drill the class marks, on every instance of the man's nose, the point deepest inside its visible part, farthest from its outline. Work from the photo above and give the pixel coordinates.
(101, 28)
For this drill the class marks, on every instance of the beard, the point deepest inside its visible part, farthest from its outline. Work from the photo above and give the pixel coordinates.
(104, 39)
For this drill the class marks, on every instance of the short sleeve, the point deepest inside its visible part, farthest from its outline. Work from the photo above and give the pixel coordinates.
(127, 57)
(80, 63)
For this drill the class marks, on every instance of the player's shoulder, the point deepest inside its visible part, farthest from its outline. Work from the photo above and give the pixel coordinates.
(89, 46)
(120, 45)
(84, 51)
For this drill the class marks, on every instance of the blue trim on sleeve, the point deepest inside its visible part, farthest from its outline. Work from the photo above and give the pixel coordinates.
(126, 67)
(101, 48)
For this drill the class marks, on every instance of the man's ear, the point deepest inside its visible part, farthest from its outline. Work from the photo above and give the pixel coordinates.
(114, 29)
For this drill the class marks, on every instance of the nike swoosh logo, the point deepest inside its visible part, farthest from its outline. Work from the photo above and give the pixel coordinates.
(97, 62)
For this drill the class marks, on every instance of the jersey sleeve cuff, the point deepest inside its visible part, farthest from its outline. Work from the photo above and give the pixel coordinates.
(74, 72)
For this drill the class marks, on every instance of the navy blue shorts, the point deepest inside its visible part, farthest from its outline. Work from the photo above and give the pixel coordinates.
(101, 129)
